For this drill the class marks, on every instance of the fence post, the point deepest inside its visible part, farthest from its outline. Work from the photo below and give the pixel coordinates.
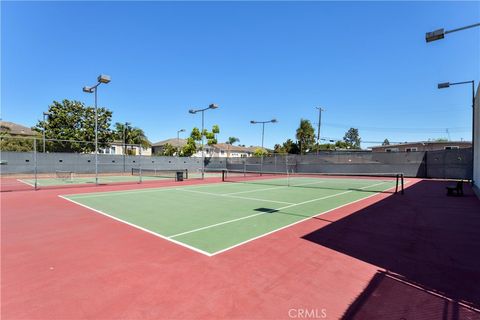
(140, 162)
(35, 161)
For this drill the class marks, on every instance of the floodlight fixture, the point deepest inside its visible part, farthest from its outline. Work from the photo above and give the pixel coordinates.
(435, 35)
(440, 33)
(88, 89)
(103, 78)
(443, 85)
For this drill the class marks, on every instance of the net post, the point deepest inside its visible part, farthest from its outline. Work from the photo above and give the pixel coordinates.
(224, 173)
(397, 176)
(186, 173)
(35, 162)
(403, 191)
(245, 167)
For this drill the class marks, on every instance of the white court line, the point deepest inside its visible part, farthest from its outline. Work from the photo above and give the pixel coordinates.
(231, 247)
(114, 193)
(294, 223)
(270, 211)
(23, 181)
(138, 227)
(230, 196)
(274, 188)
(192, 186)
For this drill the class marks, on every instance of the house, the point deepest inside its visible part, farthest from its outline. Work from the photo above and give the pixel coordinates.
(222, 150)
(16, 130)
(158, 147)
(117, 147)
(423, 146)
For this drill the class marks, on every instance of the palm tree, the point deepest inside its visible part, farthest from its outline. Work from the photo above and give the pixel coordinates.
(130, 135)
(231, 141)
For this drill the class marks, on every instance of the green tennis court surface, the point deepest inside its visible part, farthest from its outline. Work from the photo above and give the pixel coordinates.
(49, 182)
(212, 218)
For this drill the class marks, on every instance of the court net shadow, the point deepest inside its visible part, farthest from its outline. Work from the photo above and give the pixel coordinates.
(424, 236)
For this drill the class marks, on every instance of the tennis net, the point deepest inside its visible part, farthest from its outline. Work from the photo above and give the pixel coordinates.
(64, 175)
(347, 181)
(159, 173)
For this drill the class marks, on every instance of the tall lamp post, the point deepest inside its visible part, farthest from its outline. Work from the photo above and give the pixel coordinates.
(125, 126)
(444, 85)
(178, 141)
(44, 115)
(440, 33)
(93, 89)
(263, 135)
(192, 111)
(320, 110)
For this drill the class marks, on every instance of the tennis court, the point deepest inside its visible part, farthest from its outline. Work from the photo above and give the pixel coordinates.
(72, 178)
(214, 217)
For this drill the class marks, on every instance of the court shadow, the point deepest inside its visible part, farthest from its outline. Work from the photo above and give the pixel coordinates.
(389, 296)
(427, 238)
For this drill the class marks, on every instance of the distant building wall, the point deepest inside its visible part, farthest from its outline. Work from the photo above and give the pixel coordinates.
(423, 146)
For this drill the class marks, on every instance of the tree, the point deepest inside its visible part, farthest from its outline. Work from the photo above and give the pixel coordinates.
(305, 135)
(287, 147)
(169, 150)
(229, 142)
(130, 136)
(8, 143)
(352, 138)
(386, 142)
(189, 148)
(73, 121)
(232, 140)
(212, 135)
(259, 152)
(278, 149)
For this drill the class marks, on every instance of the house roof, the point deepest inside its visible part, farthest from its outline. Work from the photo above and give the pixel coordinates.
(16, 129)
(220, 146)
(172, 141)
(233, 148)
(404, 144)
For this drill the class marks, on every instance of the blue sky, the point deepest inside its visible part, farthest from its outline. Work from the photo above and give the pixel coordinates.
(366, 63)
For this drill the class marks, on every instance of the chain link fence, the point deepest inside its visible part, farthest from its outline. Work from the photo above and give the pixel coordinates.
(442, 164)
(31, 163)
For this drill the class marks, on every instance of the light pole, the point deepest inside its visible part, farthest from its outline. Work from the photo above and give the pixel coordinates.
(444, 85)
(44, 114)
(440, 33)
(263, 134)
(101, 79)
(125, 126)
(178, 141)
(320, 110)
(192, 111)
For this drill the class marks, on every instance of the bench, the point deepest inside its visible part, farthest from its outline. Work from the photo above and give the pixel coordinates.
(456, 189)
